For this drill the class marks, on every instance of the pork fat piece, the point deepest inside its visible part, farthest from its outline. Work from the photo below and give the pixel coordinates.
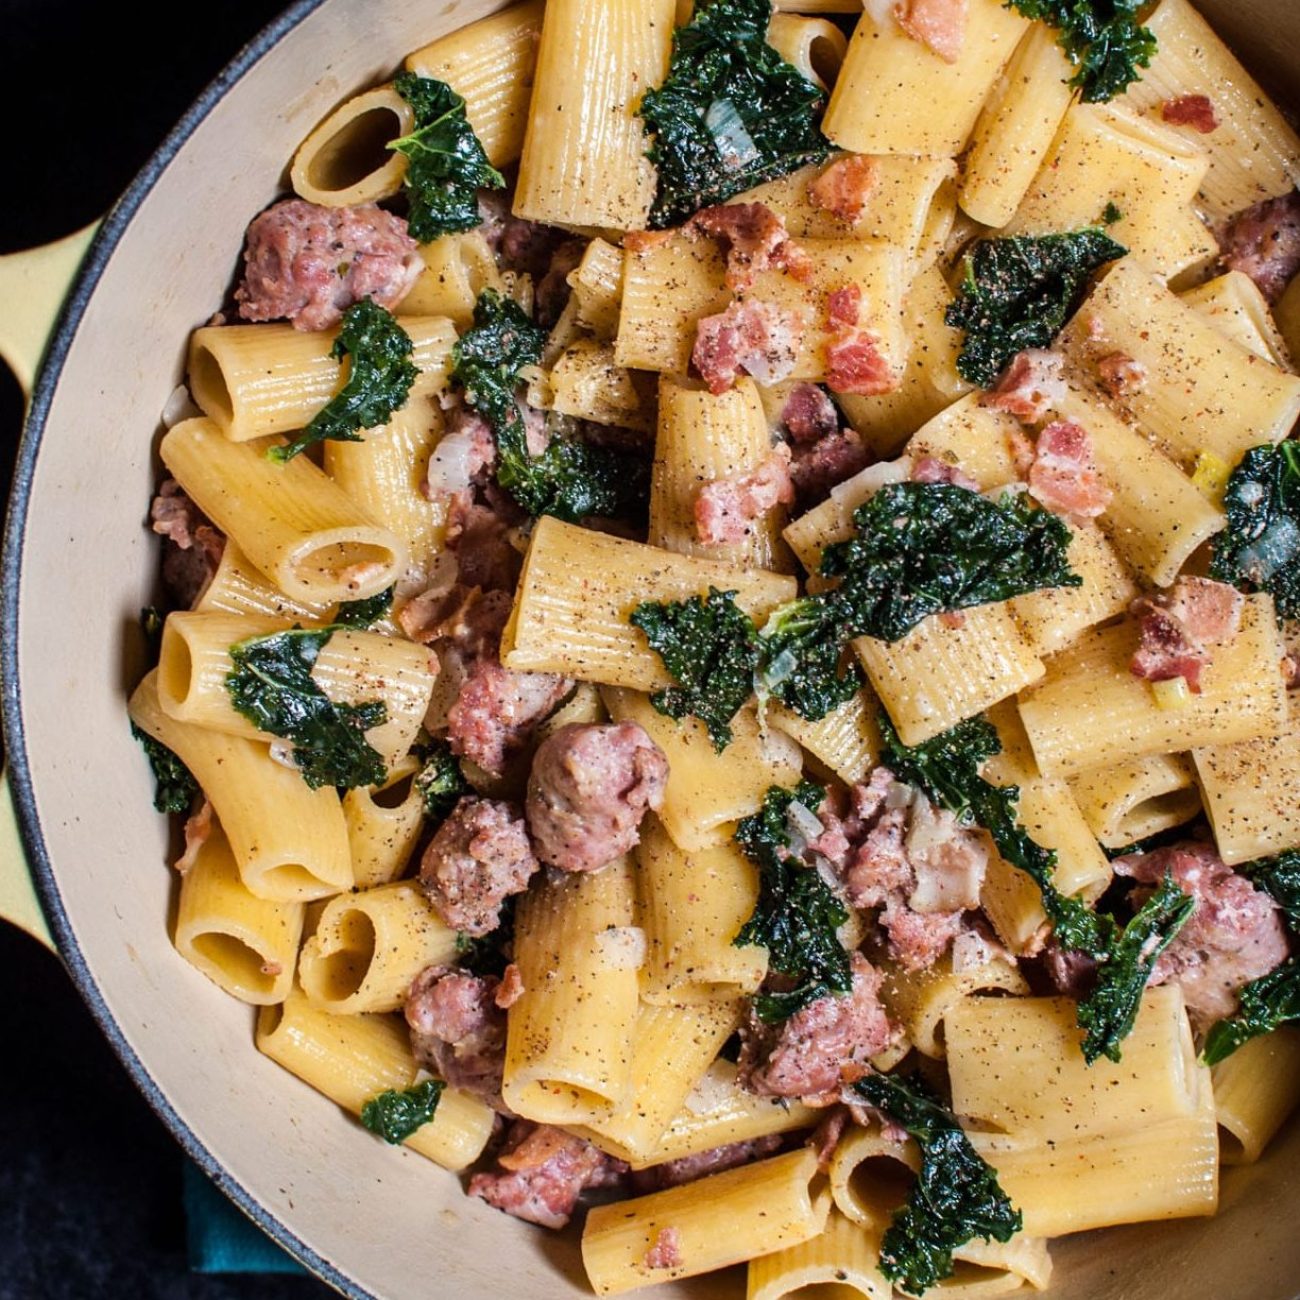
(309, 264)
(479, 856)
(589, 788)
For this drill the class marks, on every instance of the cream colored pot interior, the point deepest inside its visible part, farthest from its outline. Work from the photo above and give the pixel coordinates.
(391, 1224)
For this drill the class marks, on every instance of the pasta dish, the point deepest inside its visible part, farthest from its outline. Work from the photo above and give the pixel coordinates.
(732, 600)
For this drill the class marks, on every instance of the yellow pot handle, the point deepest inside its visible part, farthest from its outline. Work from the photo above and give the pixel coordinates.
(33, 286)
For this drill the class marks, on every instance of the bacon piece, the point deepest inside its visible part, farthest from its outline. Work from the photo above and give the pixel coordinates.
(940, 25)
(511, 988)
(541, 1173)
(641, 241)
(854, 362)
(589, 789)
(1264, 243)
(1196, 111)
(756, 240)
(686, 1169)
(845, 187)
(198, 829)
(809, 414)
(1030, 385)
(822, 1046)
(830, 460)
(1235, 934)
(311, 263)
(1178, 630)
(726, 508)
(1120, 375)
(477, 858)
(666, 1252)
(1064, 475)
(458, 1031)
(751, 337)
(931, 469)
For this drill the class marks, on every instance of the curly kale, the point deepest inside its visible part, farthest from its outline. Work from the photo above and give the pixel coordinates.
(571, 479)
(489, 954)
(394, 1115)
(446, 163)
(947, 770)
(803, 660)
(378, 383)
(796, 915)
(365, 613)
(1102, 39)
(440, 782)
(731, 114)
(1017, 292)
(271, 685)
(1259, 550)
(710, 647)
(955, 1199)
(174, 783)
(1273, 999)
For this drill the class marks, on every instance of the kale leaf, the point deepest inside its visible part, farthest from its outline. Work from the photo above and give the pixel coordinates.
(796, 915)
(1102, 39)
(1259, 550)
(174, 783)
(440, 781)
(711, 648)
(804, 664)
(489, 954)
(378, 383)
(571, 479)
(394, 1115)
(956, 1196)
(731, 114)
(271, 685)
(919, 549)
(1263, 1005)
(1017, 292)
(1272, 999)
(365, 613)
(924, 548)
(947, 770)
(447, 165)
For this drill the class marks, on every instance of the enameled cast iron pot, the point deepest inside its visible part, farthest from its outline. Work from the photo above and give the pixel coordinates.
(78, 565)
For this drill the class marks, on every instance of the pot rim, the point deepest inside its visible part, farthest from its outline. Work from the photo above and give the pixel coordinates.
(50, 373)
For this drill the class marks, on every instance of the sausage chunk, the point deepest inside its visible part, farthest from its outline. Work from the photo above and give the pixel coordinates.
(541, 1172)
(479, 856)
(193, 546)
(310, 264)
(821, 1047)
(1235, 934)
(686, 1169)
(1264, 243)
(588, 790)
(457, 1030)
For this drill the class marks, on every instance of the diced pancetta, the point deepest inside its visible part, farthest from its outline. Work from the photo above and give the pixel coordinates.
(756, 240)
(1196, 111)
(1179, 630)
(1030, 386)
(726, 508)
(809, 414)
(845, 187)
(1064, 475)
(932, 469)
(940, 25)
(1120, 375)
(750, 337)
(854, 361)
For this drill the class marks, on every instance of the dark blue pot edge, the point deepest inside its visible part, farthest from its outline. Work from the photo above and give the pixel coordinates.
(70, 316)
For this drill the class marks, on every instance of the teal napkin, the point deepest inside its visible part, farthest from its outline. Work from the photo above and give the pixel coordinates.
(220, 1238)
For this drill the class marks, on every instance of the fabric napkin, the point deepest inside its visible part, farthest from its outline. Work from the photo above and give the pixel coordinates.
(220, 1238)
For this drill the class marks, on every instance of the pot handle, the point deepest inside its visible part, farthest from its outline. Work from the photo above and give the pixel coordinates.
(33, 285)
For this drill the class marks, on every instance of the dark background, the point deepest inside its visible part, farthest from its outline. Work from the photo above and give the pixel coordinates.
(90, 1181)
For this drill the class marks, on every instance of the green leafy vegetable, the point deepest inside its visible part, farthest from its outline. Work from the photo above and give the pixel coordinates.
(1102, 39)
(365, 613)
(440, 782)
(271, 685)
(489, 954)
(174, 784)
(804, 664)
(947, 770)
(731, 114)
(378, 383)
(796, 915)
(1018, 292)
(447, 165)
(571, 479)
(956, 1196)
(711, 648)
(1272, 999)
(1110, 214)
(394, 1116)
(1259, 550)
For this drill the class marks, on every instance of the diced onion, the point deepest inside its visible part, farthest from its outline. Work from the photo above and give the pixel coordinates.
(623, 946)
(449, 466)
(735, 145)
